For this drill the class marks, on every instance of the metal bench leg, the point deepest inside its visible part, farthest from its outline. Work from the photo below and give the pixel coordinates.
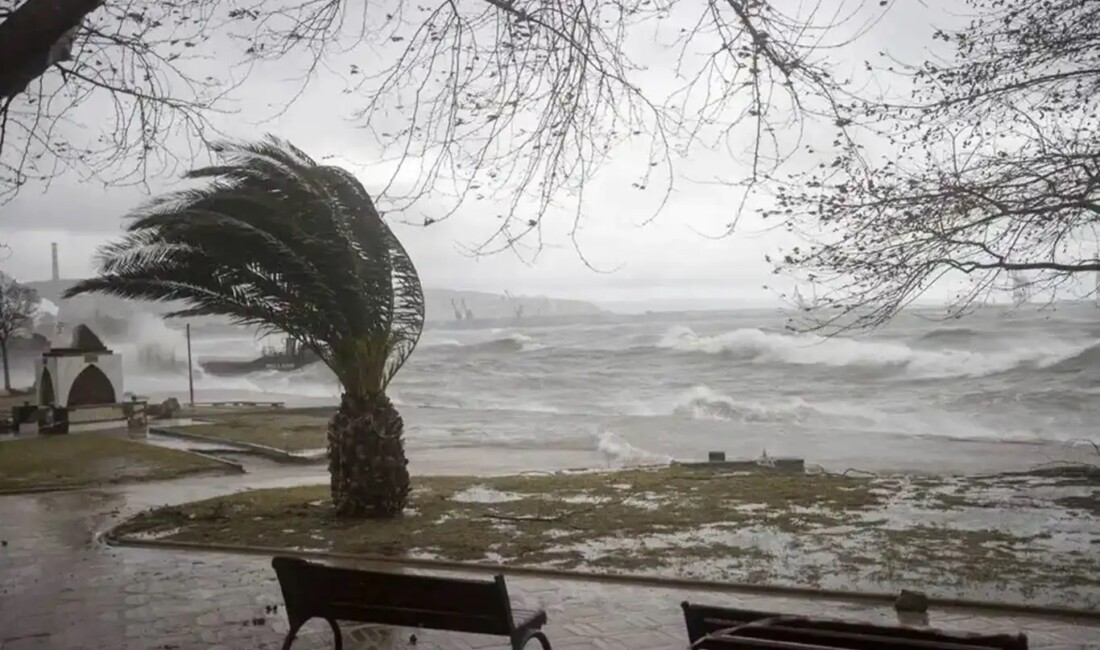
(293, 632)
(518, 643)
(337, 638)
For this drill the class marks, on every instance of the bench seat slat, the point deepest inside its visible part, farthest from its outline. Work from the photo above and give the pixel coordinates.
(736, 643)
(398, 590)
(716, 618)
(458, 622)
(912, 638)
(705, 620)
(850, 640)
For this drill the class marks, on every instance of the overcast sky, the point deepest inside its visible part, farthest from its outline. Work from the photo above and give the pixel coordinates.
(667, 259)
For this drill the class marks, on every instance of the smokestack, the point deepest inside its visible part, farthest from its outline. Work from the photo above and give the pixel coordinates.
(53, 251)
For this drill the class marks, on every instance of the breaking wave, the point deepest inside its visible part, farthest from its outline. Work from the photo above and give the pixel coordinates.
(703, 403)
(510, 342)
(762, 347)
(617, 452)
(1086, 360)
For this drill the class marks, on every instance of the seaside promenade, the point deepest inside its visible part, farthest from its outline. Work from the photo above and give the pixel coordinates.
(61, 586)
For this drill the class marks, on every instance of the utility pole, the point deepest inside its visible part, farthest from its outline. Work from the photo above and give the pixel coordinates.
(190, 372)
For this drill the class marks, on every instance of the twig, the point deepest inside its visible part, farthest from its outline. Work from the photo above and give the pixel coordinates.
(490, 515)
(4, 121)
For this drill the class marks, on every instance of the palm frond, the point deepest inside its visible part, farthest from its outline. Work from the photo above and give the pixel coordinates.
(277, 241)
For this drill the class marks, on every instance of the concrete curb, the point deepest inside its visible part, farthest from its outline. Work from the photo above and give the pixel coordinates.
(666, 582)
(44, 490)
(271, 453)
(235, 466)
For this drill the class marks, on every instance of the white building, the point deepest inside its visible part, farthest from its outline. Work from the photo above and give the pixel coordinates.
(82, 374)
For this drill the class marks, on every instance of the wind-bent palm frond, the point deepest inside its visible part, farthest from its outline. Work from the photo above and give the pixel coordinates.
(278, 241)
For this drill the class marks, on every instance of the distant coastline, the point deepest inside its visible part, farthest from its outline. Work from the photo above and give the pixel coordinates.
(443, 306)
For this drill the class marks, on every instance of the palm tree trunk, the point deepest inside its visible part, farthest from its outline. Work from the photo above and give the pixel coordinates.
(366, 449)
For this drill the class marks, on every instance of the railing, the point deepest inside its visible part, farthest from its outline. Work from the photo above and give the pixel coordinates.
(56, 419)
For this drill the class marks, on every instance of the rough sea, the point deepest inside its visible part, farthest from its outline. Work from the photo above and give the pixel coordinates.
(997, 389)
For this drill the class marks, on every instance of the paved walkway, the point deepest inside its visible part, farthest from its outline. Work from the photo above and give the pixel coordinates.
(61, 588)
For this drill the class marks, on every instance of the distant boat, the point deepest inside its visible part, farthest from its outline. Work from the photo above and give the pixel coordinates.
(292, 357)
(802, 302)
(1021, 289)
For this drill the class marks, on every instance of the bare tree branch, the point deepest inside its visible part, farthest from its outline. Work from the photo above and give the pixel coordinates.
(516, 104)
(991, 176)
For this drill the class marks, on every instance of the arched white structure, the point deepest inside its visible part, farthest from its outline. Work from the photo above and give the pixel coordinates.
(56, 374)
(84, 374)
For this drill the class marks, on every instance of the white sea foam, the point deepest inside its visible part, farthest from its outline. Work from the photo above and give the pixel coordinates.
(501, 341)
(617, 452)
(703, 403)
(762, 347)
(482, 494)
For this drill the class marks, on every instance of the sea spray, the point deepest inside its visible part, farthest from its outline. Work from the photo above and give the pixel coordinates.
(619, 453)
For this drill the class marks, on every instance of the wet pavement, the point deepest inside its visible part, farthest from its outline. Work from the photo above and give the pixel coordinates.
(60, 587)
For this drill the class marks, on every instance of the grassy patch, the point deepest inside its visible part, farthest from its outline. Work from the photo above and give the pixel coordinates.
(537, 518)
(290, 430)
(84, 459)
(830, 531)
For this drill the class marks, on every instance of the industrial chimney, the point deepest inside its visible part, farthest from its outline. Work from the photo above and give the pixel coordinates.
(53, 250)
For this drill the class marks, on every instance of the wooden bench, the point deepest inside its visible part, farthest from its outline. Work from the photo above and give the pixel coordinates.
(478, 606)
(734, 629)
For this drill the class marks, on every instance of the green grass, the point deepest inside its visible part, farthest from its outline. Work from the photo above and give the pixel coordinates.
(576, 507)
(86, 459)
(289, 430)
(823, 530)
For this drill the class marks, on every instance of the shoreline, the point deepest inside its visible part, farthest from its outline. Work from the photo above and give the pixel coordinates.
(475, 441)
(447, 440)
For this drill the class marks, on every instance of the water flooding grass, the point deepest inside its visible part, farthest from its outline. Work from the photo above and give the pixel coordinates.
(289, 430)
(87, 459)
(997, 538)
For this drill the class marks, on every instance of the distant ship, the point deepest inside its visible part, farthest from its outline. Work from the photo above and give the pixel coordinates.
(1021, 289)
(293, 356)
(464, 317)
(801, 302)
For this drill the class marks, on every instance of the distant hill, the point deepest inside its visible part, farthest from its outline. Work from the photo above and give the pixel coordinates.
(440, 305)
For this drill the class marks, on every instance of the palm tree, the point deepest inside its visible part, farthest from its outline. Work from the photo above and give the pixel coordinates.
(275, 240)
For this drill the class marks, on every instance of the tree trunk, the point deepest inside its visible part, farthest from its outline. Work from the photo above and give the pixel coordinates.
(7, 372)
(30, 36)
(366, 449)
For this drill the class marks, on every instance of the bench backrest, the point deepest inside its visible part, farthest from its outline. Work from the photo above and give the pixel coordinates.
(309, 589)
(805, 632)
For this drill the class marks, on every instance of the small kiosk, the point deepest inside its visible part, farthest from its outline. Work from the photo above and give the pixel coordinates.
(85, 374)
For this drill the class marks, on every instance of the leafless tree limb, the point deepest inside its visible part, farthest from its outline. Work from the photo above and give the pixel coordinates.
(991, 173)
(516, 102)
